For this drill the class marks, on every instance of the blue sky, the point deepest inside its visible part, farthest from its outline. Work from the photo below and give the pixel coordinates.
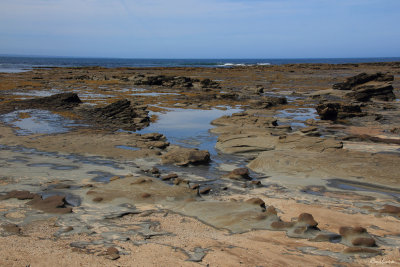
(201, 28)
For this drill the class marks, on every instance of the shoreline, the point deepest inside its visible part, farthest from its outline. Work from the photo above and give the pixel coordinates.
(278, 191)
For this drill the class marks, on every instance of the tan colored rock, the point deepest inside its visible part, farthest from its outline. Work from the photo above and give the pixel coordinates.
(185, 156)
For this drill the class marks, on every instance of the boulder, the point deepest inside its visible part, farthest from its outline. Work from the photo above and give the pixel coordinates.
(239, 174)
(380, 91)
(365, 87)
(184, 156)
(53, 102)
(172, 81)
(120, 114)
(362, 78)
(53, 204)
(356, 236)
(207, 83)
(335, 110)
(267, 102)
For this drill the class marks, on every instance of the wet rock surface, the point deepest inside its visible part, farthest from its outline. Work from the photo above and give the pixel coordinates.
(365, 86)
(119, 115)
(185, 156)
(333, 111)
(55, 102)
(274, 171)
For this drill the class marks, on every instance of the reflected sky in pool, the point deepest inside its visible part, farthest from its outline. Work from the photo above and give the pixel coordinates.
(38, 122)
(188, 127)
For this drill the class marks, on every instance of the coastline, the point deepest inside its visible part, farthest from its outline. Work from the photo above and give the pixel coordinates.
(342, 172)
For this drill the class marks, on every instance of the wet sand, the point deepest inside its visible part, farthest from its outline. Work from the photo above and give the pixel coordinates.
(198, 166)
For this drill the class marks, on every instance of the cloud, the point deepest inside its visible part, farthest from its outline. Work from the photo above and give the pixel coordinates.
(190, 28)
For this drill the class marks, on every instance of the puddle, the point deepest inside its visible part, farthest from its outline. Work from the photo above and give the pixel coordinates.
(359, 186)
(188, 127)
(154, 94)
(35, 121)
(288, 94)
(72, 200)
(38, 93)
(125, 90)
(101, 176)
(296, 117)
(52, 166)
(76, 159)
(128, 148)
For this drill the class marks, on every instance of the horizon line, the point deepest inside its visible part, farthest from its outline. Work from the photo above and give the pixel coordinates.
(170, 58)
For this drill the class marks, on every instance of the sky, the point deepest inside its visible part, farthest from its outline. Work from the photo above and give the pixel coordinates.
(201, 28)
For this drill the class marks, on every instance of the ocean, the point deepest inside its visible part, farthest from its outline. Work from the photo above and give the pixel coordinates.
(23, 63)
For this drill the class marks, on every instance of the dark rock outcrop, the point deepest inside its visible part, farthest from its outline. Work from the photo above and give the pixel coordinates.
(20, 195)
(55, 102)
(365, 87)
(53, 204)
(362, 78)
(172, 81)
(379, 91)
(267, 102)
(336, 110)
(239, 174)
(120, 114)
(11, 228)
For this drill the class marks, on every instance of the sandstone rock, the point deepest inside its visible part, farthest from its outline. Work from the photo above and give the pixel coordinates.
(172, 81)
(53, 204)
(120, 114)
(346, 230)
(205, 190)
(364, 241)
(246, 143)
(141, 181)
(207, 83)
(154, 170)
(239, 174)
(307, 219)
(11, 228)
(317, 161)
(185, 156)
(379, 91)
(97, 199)
(310, 131)
(356, 236)
(361, 250)
(390, 209)
(258, 89)
(21, 195)
(112, 253)
(362, 78)
(195, 186)
(257, 201)
(336, 110)
(169, 176)
(365, 87)
(271, 210)
(61, 101)
(281, 225)
(267, 102)
(145, 195)
(180, 181)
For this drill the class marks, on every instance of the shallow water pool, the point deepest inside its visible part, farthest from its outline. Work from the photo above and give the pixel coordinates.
(189, 127)
(36, 121)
